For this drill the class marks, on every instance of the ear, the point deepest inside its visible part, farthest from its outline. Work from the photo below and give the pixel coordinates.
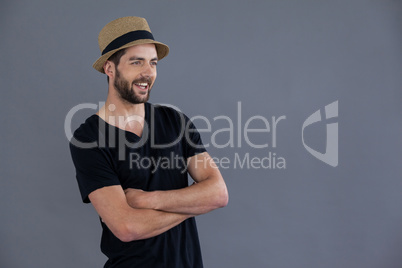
(109, 68)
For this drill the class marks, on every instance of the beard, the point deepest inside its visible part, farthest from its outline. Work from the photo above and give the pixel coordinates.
(127, 92)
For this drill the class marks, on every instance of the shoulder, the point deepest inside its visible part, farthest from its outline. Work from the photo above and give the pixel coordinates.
(164, 112)
(170, 110)
(87, 131)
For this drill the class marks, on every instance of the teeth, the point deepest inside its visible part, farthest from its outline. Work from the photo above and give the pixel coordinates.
(142, 84)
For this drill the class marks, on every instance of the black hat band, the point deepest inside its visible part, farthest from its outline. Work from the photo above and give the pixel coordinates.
(127, 38)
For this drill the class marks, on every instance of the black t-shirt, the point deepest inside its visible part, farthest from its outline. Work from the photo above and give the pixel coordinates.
(105, 155)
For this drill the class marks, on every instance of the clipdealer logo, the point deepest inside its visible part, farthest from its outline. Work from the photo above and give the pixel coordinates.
(234, 131)
(330, 156)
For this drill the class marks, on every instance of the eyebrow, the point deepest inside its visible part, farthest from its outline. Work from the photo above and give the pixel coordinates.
(139, 58)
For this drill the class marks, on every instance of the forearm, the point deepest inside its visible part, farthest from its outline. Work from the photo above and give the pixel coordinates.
(207, 194)
(146, 223)
(199, 198)
(128, 223)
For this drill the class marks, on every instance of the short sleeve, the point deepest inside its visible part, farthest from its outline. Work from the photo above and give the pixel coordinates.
(93, 170)
(192, 140)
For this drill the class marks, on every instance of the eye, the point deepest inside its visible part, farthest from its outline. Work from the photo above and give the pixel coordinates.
(154, 63)
(137, 62)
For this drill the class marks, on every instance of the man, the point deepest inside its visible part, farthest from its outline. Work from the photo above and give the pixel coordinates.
(132, 160)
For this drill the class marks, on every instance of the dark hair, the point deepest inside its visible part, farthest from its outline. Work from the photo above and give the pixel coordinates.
(115, 58)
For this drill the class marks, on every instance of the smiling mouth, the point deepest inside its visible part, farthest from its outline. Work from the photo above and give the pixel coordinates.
(142, 86)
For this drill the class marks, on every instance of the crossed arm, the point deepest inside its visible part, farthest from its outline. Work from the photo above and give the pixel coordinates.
(135, 214)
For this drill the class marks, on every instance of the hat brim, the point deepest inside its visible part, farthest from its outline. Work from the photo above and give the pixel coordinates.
(161, 49)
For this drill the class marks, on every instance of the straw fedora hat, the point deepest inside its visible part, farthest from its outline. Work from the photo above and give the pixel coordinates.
(122, 33)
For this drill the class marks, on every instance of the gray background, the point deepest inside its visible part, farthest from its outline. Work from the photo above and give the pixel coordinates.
(278, 58)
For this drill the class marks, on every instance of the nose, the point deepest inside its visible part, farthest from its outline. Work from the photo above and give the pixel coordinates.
(148, 70)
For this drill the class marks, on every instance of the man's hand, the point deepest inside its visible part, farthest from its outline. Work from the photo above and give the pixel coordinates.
(138, 198)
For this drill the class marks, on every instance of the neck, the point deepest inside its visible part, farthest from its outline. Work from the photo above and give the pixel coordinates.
(122, 114)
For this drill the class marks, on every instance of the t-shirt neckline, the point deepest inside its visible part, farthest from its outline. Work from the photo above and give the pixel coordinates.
(146, 119)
